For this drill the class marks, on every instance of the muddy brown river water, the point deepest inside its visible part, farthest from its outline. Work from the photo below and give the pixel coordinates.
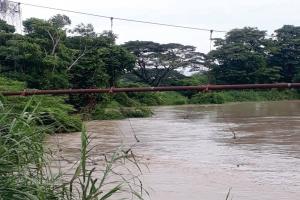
(191, 152)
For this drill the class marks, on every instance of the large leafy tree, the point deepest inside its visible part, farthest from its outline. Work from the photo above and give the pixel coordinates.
(242, 57)
(98, 62)
(286, 52)
(155, 62)
(87, 69)
(39, 57)
(6, 28)
(117, 61)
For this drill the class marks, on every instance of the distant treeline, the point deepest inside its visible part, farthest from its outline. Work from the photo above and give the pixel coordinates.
(50, 56)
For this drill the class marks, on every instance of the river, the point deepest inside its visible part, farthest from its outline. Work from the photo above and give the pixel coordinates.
(191, 152)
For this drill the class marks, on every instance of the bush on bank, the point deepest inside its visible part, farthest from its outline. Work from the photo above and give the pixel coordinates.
(49, 109)
(25, 165)
(244, 95)
(22, 157)
(114, 110)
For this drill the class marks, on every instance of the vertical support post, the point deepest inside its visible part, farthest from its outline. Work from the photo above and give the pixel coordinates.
(210, 48)
(111, 24)
(211, 39)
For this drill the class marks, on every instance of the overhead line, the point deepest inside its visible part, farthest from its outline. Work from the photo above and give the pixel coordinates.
(123, 19)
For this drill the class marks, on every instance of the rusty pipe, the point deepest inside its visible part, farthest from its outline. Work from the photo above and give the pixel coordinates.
(200, 88)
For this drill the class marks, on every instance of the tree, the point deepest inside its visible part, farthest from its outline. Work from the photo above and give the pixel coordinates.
(6, 28)
(39, 57)
(60, 21)
(241, 58)
(156, 61)
(117, 61)
(48, 34)
(286, 52)
(98, 62)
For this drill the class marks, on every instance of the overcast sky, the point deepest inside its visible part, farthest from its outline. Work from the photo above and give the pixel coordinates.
(212, 14)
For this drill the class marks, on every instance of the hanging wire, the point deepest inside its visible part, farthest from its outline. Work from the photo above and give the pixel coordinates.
(20, 18)
(111, 24)
(122, 19)
(134, 21)
(211, 39)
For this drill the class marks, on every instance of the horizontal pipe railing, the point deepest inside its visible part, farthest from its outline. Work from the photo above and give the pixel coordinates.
(200, 88)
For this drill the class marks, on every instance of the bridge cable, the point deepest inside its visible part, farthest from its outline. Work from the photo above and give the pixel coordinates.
(123, 19)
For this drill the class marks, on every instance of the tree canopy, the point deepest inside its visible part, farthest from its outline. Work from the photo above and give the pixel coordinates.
(155, 62)
(50, 55)
(248, 56)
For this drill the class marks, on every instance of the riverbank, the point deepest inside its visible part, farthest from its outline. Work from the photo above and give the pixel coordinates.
(24, 122)
(56, 109)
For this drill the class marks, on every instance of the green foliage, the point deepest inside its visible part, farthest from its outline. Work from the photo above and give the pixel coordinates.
(22, 157)
(117, 61)
(125, 100)
(155, 62)
(241, 58)
(244, 95)
(247, 56)
(88, 185)
(194, 80)
(148, 99)
(49, 109)
(107, 112)
(208, 98)
(25, 172)
(45, 57)
(10, 85)
(114, 110)
(171, 98)
(285, 52)
(6, 28)
(136, 112)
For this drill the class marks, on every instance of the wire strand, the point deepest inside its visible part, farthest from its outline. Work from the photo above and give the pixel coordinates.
(123, 19)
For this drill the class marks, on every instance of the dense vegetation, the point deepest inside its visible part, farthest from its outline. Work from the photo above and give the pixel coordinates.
(248, 56)
(50, 56)
(25, 164)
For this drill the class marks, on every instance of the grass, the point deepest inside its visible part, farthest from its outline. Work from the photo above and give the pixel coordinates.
(10, 85)
(25, 173)
(244, 95)
(85, 184)
(50, 109)
(114, 110)
(22, 157)
(159, 98)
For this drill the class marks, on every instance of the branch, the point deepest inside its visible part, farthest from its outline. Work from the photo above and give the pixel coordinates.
(55, 45)
(77, 59)
(54, 42)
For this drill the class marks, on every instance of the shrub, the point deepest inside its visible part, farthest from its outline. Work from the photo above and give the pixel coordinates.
(244, 95)
(136, 112)
(114, 110)
(10, 85)
(24, 168)
(49, 109)
(171, 98)
(22, 157)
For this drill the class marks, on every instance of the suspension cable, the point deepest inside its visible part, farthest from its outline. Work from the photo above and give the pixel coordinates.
(122, 19)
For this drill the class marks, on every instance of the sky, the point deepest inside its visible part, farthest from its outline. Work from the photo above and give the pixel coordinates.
(267, 15)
